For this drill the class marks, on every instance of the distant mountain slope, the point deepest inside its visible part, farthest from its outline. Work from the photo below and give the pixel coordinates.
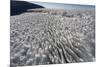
(18, 7)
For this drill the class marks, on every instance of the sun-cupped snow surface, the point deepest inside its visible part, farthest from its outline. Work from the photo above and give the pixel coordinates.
(52, 36)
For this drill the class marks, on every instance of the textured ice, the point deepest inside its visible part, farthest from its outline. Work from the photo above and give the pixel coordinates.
(52, 36)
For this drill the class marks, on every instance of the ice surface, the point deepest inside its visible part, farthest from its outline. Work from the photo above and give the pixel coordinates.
(52, 36)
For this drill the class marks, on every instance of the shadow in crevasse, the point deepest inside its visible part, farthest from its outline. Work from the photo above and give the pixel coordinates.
(18, 7)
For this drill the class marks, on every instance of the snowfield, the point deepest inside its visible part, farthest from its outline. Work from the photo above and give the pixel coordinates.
(52, 36)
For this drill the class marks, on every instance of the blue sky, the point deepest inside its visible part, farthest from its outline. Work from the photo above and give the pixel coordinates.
(86, 2)
(62, 5)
